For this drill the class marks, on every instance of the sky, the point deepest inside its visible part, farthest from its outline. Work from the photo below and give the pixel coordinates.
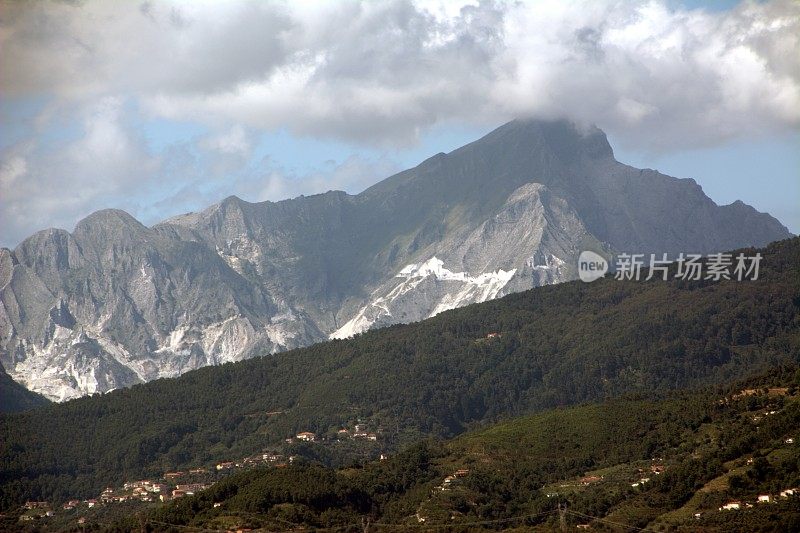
(165, 107)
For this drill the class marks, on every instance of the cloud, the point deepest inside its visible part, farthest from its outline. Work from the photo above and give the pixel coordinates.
(353, 174)
(378, 74)
(46, 183)
(660, 76)
(82, 49)
(109, 163)
(233, 141)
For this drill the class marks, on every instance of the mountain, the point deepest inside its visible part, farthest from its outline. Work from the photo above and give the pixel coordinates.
(552, 346)
(15, 398)
(115, 303)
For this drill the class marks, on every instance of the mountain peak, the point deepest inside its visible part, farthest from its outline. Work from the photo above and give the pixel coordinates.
(108, 225)
(507, 212)
(483, 173)
(109, 217)
(567, 140)
(232, 200)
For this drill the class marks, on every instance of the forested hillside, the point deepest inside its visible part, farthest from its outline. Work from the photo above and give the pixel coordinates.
(627, 464)
(551, 346)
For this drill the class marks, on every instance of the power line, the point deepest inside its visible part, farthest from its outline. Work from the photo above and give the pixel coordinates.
(192, 528)
(462, 524)
(365, 524)
(606, 521)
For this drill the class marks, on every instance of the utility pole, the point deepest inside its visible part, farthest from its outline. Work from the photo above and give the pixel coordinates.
(365, 524)
(562, 516)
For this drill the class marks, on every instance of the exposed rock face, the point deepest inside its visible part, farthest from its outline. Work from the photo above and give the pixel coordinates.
(530, 241)
(116, 303)
(15, 398)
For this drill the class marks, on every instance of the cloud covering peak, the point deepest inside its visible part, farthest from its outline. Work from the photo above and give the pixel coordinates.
(379, 74)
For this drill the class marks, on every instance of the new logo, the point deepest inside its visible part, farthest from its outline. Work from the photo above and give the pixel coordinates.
(591, 266)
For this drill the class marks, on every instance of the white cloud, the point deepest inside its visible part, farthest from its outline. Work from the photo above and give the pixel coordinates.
(45, 185)
(354, 174)
(662, 76)
(82, 49)
(655, 76)
(108, 163)
(235, 141)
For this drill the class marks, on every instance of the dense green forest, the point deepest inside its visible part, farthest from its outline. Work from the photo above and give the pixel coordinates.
(710, 448)
(557, 346)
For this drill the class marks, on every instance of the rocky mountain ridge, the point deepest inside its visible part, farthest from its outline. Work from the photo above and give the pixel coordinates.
(116, 303)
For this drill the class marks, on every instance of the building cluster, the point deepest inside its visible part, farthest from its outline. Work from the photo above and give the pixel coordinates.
(172, 485)
(146, 490)
(644, 474)
(189, 489)
(453, 479)
(358, 431)
(736, 505)
(266, 458)
(34, 510)
(774, 391)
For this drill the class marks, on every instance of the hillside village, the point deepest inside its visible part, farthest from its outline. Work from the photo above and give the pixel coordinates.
(173, 485)
(449, 499)
(452, 495)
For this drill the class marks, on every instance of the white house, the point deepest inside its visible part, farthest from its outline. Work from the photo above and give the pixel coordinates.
(731, 506)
